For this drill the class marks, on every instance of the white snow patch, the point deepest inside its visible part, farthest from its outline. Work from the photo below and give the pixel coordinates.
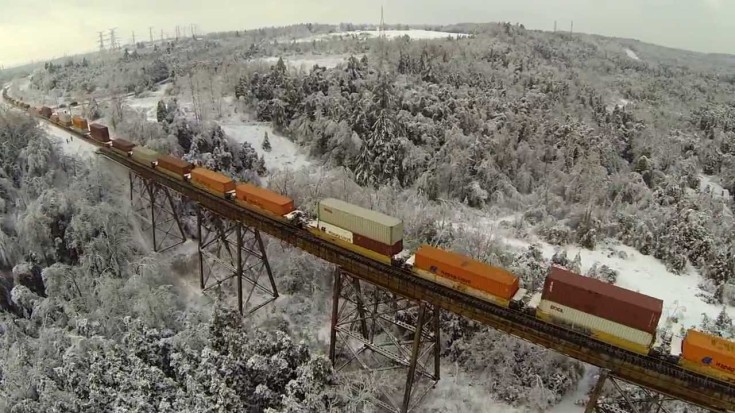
(644, 274)
(632, 54)
(390, 34)
(284, 153)
(148, 104)
(458, 392)
(307, 62)
(712, 185)
(623, 102)
(70, 144)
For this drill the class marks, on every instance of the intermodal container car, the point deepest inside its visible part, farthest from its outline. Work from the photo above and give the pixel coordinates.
(174, 166)
(368, 223)
(100, 133)
(465, 271)
(65, 119)
(79, 122)
(265, 199)
(213, 181)
(622, 306)
(144, 155)
(54, 118)
(597, 327)
(122, 146)
(45, 111)
(709, 354)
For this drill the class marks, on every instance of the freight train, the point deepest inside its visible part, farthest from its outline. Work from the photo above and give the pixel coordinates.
(604, 312)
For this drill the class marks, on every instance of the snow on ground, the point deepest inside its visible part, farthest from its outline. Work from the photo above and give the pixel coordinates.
(711, 184)
(306, 62)
(284, 153)
(637, 272)
(147, 104)
(390, 34)
(70, 144)
(632, 54)
(456, 392)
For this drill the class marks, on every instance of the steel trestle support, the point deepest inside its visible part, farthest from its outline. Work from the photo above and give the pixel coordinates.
(230, 250)
(645, 401)
(154, 205)
(377, 333)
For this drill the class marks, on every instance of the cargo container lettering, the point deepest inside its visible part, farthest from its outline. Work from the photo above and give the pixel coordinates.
(555, 308)
(731, 369)
(336, 235)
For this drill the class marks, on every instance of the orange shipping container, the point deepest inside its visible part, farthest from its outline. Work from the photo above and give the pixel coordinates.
(263, 198)
(79, 122)
(709, 351)
(459, 268)
(212, 180)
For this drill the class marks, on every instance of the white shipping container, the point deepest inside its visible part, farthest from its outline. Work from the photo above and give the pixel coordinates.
(144, 155)
(64, 117)
(332, 230)
(592, 322)
(368, 223)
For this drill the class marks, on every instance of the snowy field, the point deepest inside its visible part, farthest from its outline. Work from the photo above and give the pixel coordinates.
(632, 54)
(306, 62)
(284, 153)
(147, 104)
(390, 34)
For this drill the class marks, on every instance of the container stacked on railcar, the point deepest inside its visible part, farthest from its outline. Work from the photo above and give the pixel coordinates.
(607, 312)
(79, 123)
(708, 354)
(175, 167)
(468, 275)
(368, 232)
(269, 201)
(64, 120)
(213, 182)
(147, 157)
(122, 147)
(99, 132)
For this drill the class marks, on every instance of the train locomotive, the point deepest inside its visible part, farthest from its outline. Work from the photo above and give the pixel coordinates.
(604, 312)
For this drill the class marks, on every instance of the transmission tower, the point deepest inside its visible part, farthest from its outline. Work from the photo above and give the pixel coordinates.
(133, 37)
(150, 31)
(113, 40)
(102, 41)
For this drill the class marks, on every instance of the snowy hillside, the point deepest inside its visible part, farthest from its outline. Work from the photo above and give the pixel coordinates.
(516, 147)
(390, 34)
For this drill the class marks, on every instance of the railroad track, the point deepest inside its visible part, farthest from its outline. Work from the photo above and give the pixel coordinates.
(656, 374)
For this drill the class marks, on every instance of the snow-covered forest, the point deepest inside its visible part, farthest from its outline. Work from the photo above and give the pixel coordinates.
(516, 147)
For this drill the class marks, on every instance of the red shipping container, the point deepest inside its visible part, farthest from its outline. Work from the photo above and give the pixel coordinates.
(377, 246)
(603, 300)
(175, 165)
(99, 132)
(123, 145)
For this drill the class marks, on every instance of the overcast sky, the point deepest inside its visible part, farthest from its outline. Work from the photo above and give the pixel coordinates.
(39, 29)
